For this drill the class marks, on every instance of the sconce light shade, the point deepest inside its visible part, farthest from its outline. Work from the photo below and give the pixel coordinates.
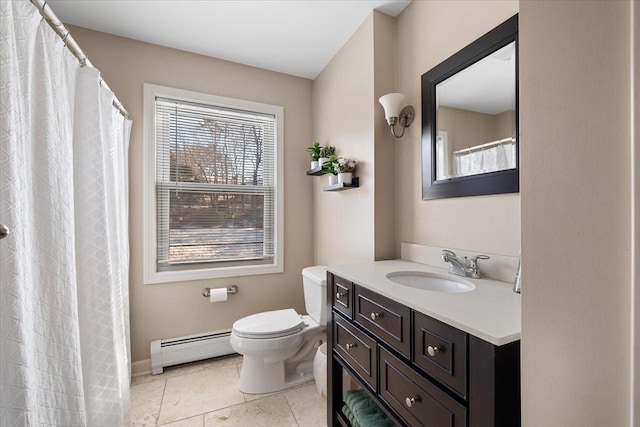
(391, 103)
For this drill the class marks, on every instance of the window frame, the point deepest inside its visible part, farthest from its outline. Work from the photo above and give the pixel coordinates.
(151, 273)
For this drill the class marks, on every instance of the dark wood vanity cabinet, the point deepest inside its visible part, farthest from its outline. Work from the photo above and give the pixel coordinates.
(420, 371)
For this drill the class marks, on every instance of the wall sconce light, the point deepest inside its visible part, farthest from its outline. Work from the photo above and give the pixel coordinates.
(391, 103)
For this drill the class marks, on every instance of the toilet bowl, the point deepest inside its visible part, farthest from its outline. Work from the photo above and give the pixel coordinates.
(278, 346)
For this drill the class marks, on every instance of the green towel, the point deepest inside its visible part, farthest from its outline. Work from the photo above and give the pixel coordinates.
(365, 410)
(352, 418)
(354, 397)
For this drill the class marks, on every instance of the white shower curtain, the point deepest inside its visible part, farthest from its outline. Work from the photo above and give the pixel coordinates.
(64, 267)
(482, 160)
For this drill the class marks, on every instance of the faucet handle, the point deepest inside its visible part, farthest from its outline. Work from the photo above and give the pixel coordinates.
(474, 260)
(473, 265)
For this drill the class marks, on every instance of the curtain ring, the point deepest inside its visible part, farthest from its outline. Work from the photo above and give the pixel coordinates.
(44, 5)
(64, 38)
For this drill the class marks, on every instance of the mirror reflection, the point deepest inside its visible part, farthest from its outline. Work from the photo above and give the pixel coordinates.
(476, 117)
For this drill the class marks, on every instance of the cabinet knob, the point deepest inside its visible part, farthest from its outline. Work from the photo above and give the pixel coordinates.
(374, 316)
(350, 346)
(339, 295)
(433, 350)
(409, 401)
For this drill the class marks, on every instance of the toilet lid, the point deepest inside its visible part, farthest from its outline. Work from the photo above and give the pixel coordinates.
(270, 324)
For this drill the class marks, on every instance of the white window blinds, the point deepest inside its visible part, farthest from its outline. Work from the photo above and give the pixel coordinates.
(215, 186)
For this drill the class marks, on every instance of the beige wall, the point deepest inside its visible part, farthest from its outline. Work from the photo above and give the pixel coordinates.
(635, 355)
(358, 224)
(176, 309)
(384, 42)
(467, 128)
(429, 32)
(505, 124)
(576, 213)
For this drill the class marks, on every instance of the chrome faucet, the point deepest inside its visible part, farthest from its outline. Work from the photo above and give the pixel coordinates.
(460, 267)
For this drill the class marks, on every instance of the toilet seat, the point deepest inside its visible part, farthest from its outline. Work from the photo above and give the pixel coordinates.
(270, 324)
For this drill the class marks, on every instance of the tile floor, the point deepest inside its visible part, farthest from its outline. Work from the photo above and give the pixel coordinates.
(205, 394)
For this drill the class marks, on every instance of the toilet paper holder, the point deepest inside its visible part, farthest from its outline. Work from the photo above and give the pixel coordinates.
(230, 290)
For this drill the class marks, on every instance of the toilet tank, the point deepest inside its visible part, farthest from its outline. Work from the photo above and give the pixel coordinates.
(314, 282)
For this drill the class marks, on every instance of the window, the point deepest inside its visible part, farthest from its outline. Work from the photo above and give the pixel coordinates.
(213, 186)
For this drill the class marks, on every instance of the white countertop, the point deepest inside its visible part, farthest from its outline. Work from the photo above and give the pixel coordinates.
(491, 311)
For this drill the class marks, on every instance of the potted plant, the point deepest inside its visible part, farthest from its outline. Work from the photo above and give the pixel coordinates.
(325, 153)
(314, 151)
(345, 169)
(330, 166)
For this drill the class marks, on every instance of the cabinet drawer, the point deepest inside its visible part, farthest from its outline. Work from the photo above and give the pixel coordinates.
(342, 296)
(441, 351)
(386, 319)
(416, 400)
(357, 349)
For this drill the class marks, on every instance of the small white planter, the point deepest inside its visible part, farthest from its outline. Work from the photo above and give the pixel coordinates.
(345, 177)
(322, 160)
(333, 179)
(315, 164)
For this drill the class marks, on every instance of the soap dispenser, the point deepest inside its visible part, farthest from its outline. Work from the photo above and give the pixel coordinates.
(517, 285)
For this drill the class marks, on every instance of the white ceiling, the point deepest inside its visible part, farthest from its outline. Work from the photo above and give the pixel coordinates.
(297, 37)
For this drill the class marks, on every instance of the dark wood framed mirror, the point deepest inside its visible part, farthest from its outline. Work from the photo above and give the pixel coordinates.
(470, 128)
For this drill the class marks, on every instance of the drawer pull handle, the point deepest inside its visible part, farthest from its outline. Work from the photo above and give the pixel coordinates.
(350, 346)
(433, 350)
(409, 401)
(374, 316)
(340, 295)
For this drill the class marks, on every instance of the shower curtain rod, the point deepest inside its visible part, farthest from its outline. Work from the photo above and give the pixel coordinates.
(482, 146)
(61, 30)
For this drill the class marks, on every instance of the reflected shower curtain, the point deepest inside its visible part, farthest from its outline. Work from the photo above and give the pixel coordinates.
(481, 160)
(64, 267)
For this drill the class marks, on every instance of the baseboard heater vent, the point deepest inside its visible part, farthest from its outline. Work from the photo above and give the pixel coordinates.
(175, 351)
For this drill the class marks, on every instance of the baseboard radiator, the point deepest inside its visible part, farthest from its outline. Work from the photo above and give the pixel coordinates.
(175, 351)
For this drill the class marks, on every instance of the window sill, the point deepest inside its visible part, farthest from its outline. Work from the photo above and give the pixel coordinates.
(154, 277)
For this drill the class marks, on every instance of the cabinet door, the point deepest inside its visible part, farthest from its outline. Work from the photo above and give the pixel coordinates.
(441, 351)
(415, 399)
(384, 318)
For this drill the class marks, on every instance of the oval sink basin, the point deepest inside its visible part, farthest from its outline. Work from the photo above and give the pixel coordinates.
(430, 281)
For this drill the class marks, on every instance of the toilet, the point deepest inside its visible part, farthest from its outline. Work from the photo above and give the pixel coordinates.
(278, 346)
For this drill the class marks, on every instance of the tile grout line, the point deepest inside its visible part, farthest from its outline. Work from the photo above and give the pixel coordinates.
(164, 389)
(286, 399)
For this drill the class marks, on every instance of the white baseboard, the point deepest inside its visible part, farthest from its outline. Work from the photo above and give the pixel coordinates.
(142, 367)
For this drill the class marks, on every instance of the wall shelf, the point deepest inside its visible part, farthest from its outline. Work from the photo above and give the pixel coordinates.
(315, 171)
(355, 183)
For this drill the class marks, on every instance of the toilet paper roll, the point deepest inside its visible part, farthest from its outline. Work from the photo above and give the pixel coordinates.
(217, 294)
